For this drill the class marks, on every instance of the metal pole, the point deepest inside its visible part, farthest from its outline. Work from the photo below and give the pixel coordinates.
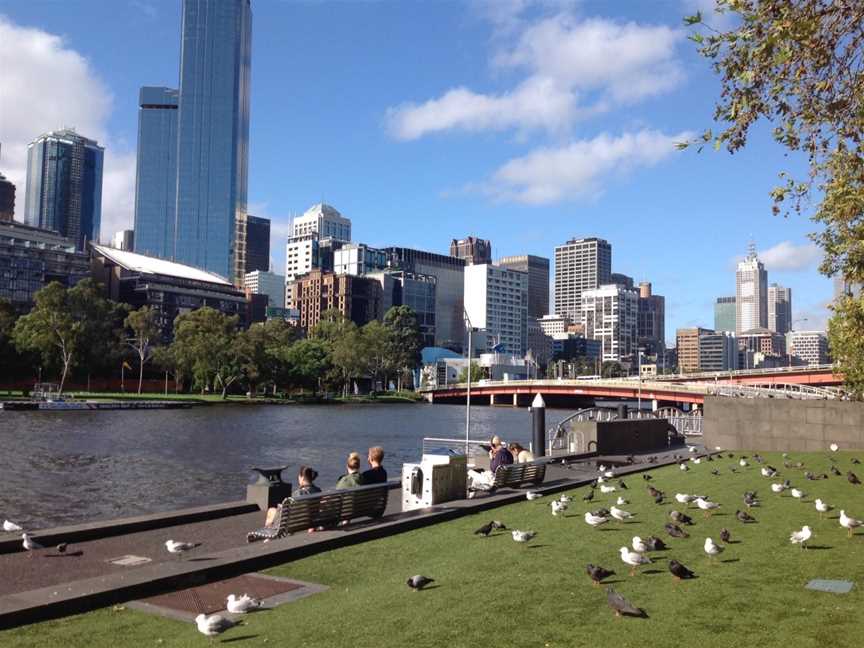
(639, 405)
(468, 397)
(538, 417)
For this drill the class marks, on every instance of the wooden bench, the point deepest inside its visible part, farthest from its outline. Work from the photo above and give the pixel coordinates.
(516, 475)
(327, 509)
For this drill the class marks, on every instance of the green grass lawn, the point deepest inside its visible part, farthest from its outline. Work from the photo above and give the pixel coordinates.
(495, 592)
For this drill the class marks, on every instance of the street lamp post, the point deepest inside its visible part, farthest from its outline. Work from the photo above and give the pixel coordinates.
(468, 395)
(639, 365)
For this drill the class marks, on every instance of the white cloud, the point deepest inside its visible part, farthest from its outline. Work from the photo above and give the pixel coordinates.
(549, 175)
(46, 86)
(574, 68)
(789, 256)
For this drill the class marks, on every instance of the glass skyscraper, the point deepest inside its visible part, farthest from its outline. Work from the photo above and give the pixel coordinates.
(156, 175)
(64, 185)
(212, 131)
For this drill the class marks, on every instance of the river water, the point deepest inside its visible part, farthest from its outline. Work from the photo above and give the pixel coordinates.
(60, 468)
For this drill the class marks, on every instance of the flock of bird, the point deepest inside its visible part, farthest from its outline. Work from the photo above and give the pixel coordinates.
(638, 553)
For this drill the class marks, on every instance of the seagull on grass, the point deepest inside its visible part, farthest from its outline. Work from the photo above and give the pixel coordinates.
(621, 501)
(522, 536)
(822, 507)
(607, 489)
(675, 531)
(849, 523)
(11, 527)
(418, 582)
(179, 548)
(798, 494)
(684, 498)
(778, 488)
(639, 545)
(680, 518)
(558, 507)
(620, 514)
(834, 447)
(750, 499)
(531, 496)
(712, 548)
(565, 498)
(654, 543)
(707, 505)
(634, 559)
(767, 472)
(597, 573)
(801, 537)
(679, 571)
(595, 520)
(744, 516)
(242, 604)
(620, 605)
(213, 624)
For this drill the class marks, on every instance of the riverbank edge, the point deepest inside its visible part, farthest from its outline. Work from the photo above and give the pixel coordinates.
(189, 399)
(81, 596)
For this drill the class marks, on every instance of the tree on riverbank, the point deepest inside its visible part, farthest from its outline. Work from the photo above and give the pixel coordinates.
(206, 347)
(144, 328)
(67, 325)
(405, 340)
(799, 65)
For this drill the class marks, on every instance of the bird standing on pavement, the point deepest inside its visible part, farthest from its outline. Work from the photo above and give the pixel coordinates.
(179, 548)
(11, 527)
(418, 582)
(29, 544)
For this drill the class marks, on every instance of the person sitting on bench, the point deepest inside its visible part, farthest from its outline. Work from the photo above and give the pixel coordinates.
(305, 481)
(352, 477)
(499, 455)
(520, 454)
(376, 473)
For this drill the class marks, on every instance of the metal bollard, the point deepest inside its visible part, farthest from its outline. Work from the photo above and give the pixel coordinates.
(538, 418)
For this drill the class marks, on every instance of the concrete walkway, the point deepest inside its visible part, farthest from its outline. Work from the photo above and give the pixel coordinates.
(45, 584)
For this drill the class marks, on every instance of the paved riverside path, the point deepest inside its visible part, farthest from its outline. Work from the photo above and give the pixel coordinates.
(46, 581)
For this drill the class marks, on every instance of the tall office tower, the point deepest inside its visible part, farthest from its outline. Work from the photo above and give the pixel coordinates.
(538, 280)
(751, 294)
(261, 282)
(124, 240)
(651, 320)
(7, 199)
(251, 246)
(779, 309)
(212, 131)
(317, 224)
(724, 315)
(687, 347)
(471, 250)
(156, 172)
(64, 185)
(621, 279)
(580, 264)
(609, 314)
(449, 273)
(496, 300)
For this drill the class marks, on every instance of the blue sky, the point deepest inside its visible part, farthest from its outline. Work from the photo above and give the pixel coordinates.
(526, 123)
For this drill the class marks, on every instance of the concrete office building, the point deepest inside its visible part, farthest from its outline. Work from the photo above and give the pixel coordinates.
(318, 223)
(539, 344)
(538, 280)
(412, 290)
(261, 282)
(779, 309)
(724, 315)
(609, 314)
(762, 340)
(580, 264)
(251, 246)
(620, 279)
(751, 294)
(808, 347)
(359, 259)
(156, 171)
(718, 352)
(651, 320)
(171, 288)
(212, 131)
(472, 250)
(359, 299)
(496, 300)
(687, 348)
(7, 199)
(450, 286)
(124, 240)
(31, 258)
(64, 186)
(568, 346)
(553, 324)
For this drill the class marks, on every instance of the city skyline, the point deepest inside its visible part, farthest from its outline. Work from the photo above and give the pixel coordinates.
(651, 201)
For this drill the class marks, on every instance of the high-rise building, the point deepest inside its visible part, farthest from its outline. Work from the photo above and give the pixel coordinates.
(496, 300)
(538, 280)
(471, 250)
(449, 273)
(156, 171)
(717, 352)
(412, 290)
(31, 258)
(7, 199)
(751, 294)
(621, 279)
(724, 315)
(808, 347)
(651, 320)
(64, 185)
(317, 224)
(261, 282)
(687, 348)
(360, 299)
(609, 314)
(358, 259)
(538, 343)
(553, 324)
(251, 246)
(212, 131)
(124, 240)
(580, 264)
(779, 309)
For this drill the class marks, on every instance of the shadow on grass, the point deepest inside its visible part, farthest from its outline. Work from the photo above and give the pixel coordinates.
(731, 560)
(817, 547)
(653, 571)
(429, 587)
(536, 546)
(240, 638)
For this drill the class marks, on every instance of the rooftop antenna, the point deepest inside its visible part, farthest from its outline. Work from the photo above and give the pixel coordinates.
(751, 249)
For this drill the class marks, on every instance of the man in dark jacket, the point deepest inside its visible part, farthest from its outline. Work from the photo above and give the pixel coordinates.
(376, 473)
(499, 454)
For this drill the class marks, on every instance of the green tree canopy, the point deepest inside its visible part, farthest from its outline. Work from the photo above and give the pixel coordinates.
(309, 362)
(206, 347)
(799, 66)
(405, 339)
(142, 327)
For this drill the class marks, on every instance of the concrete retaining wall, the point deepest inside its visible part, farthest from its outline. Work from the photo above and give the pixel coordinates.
(782, 424)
